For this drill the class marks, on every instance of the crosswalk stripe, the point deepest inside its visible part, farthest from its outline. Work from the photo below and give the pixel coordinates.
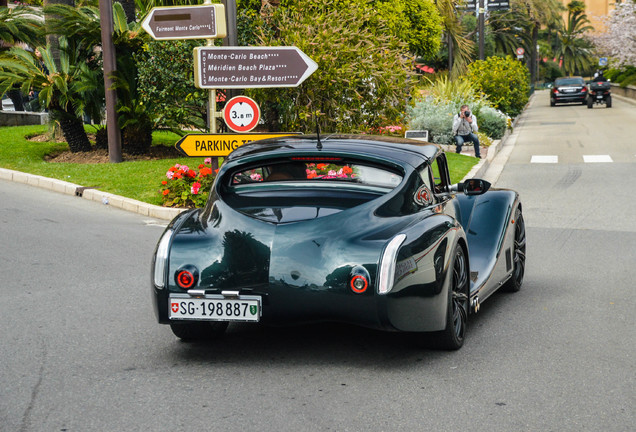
(544, 159)
(597, 158)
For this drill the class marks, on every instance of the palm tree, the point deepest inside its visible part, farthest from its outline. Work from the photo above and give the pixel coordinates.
(459, 46)
(536, 13)
(510, 30)
(574, 51)
(61, 89)
(20, 24)
(82, 27)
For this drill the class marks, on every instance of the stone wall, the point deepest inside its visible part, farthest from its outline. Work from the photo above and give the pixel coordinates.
(23, 118)
(628, 92)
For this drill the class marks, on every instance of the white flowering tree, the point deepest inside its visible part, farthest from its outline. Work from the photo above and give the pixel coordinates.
(619, 41)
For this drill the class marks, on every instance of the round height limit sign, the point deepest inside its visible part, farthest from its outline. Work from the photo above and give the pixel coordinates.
(241, 114)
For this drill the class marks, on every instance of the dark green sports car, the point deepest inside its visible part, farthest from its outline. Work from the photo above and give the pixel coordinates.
(357, 229)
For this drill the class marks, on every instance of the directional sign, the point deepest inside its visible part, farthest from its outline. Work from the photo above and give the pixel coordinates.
(602, 61)
(250, 67)
(219, 144)
(494, 5)
(241, 114)
(491, 5)
(186, 22)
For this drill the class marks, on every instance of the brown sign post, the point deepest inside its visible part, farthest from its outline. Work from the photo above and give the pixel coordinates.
(251, 67)
(186, 22)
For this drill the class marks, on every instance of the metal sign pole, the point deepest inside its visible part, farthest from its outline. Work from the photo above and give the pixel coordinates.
(481, 29)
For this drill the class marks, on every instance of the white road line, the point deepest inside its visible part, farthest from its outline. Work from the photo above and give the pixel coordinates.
(597, 158)
(544, 159)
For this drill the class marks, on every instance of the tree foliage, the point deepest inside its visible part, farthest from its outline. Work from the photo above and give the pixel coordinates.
(415, 22)
(362, 81)
(574, 49)
(619, 39)
(61, 89)
(170, 96)
(20, 24)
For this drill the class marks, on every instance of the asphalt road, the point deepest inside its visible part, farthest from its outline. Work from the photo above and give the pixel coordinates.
(80, 350)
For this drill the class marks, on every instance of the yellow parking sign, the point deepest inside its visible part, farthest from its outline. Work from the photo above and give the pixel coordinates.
(220, 144)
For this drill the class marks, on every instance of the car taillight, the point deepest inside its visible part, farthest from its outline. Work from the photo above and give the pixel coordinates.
(315, 159)
(359, 284)
(584, 89)
(359, 279)
(555, 90)
(186, 277)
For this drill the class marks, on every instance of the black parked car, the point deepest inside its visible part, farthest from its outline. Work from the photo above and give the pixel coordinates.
(568, 89)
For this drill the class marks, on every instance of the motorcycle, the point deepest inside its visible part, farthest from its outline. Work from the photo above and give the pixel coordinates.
(599, 93)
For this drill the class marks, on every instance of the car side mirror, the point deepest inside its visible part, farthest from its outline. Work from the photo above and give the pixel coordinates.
(471, 187)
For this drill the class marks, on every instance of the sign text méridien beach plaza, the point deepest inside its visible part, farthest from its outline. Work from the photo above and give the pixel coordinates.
(251, 67)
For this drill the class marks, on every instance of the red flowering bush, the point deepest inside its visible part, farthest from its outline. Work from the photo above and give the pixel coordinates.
(185, 187)
(390, 130)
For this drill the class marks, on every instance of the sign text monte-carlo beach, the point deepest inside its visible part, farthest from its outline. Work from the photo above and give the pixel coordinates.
(251, 67)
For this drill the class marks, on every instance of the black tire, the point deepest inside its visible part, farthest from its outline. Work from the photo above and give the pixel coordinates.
(198, 331)
(552, 102)
(608, 101)
(452, 337)
(590, 102)
(519, 255)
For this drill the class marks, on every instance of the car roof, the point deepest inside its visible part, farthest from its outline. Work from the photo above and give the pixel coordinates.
(398, 150)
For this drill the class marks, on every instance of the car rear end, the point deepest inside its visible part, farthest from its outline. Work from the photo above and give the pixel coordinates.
(281, 250)
(568, 90)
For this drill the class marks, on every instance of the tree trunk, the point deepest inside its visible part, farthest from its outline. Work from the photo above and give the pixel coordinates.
(137, 139)
(533, 52)
(74, 133)
(51, 39)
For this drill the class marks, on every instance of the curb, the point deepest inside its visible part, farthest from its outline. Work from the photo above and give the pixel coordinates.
(158, 212)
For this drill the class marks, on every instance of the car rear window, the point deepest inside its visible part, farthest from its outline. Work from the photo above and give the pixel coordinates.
(569, 81)
(316, 173)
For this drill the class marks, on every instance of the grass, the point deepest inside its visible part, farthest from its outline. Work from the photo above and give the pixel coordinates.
(140, 180)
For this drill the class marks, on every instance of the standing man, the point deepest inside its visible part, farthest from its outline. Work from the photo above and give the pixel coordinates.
(465, 129)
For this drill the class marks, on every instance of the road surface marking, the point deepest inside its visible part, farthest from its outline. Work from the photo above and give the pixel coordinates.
(597, 158)
(544, 159)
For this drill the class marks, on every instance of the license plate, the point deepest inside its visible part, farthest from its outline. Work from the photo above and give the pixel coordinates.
(215, 308)
(569, 90)
(599, 97)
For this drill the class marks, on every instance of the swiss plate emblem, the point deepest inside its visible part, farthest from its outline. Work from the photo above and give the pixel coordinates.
(175, 307)
(423, 196)
(253, 309)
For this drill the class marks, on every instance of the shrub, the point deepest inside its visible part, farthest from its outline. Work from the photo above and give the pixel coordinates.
(363, 75)
(166, 84)
(506, 83)
(492, 122)
(185, 187)
(624, 76)
(443, 100)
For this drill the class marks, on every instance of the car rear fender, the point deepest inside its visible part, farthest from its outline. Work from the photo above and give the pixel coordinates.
(486, 220)
(418, 299)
